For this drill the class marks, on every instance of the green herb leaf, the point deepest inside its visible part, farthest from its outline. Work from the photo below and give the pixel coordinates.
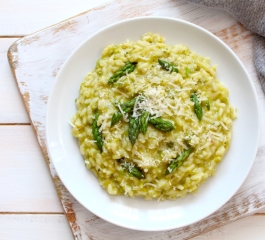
(187, 70)
(207, 104)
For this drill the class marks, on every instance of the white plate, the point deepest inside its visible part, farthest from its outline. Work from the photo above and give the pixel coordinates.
(138, 213)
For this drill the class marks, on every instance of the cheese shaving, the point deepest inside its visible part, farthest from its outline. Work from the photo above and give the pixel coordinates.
(72, 124)
(224, 126)
(124, 115)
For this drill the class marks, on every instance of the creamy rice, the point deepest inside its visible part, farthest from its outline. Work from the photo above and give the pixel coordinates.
(164, 94)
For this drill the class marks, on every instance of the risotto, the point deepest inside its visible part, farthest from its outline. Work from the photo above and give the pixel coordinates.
(152, 120)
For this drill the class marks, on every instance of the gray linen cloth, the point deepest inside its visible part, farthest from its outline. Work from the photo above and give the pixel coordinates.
(250, 13)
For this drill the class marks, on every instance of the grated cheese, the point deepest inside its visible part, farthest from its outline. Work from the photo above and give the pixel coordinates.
(224, 126)
(120, 92)
(146, 161)
(217, 136)
(150, 184)
(72, 124)
(153, 100)
(124, 115)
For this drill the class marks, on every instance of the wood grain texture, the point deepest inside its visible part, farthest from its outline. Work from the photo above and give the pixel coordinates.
(34, 226)
(226, 233)
(36, 59)
(22, 164)
(12, 108)
(55, 226)
(30, 16)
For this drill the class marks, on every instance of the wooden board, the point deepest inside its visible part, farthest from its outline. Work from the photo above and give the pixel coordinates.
(36, 59)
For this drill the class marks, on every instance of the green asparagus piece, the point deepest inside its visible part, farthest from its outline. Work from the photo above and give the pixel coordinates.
(178, 161)
(127, 68)
(96, 133)
(161, 124)
(134, 129)
(135, 171)
(144, 121)
(208, 106)
(126, 107)
(197, 106)
(116, 117)
(168, 66)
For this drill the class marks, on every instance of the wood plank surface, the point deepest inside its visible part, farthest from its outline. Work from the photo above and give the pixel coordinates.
(22, 165)
(45, 13)
(226, 233)
(34, 226)
(12, 108)
(55, 226)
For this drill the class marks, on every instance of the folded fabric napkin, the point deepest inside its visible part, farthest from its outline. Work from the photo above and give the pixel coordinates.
(250, 13)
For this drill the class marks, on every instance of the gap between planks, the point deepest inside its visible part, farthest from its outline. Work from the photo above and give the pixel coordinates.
(32, 213)
(14, 124)
(62, 213)
(12, 36)
(260, 214)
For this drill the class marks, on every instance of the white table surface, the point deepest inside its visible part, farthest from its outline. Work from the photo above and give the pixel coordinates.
(29, 205)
